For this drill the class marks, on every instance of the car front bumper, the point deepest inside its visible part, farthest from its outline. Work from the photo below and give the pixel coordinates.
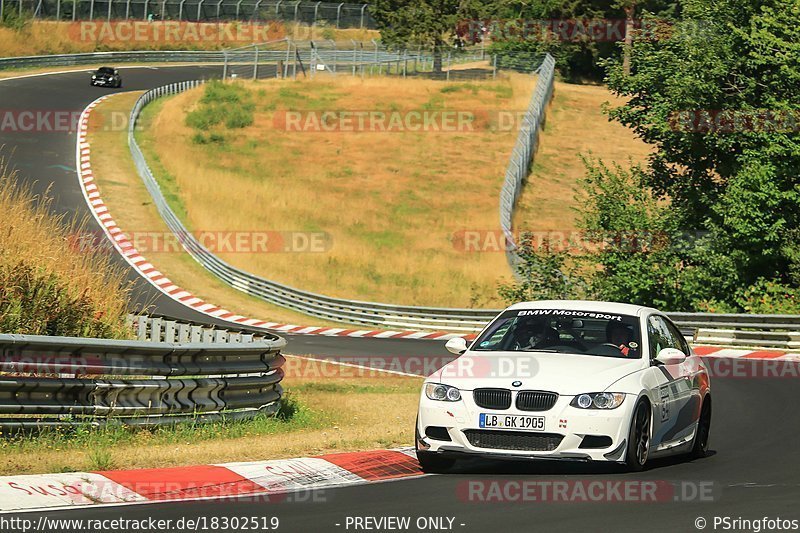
(570, 423)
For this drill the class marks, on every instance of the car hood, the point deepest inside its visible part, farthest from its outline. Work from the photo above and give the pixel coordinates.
(566, 374)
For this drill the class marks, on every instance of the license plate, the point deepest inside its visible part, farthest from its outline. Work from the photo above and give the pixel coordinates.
(529, 423)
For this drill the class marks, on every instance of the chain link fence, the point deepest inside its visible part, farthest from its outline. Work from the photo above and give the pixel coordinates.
(331, 14)
(289, 59)
(524, 150)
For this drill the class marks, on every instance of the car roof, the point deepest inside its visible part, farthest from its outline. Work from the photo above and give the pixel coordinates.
(587, 305)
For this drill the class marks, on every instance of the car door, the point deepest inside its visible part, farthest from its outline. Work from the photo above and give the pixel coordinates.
(675, 412)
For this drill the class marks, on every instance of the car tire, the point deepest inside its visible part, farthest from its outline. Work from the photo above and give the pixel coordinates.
(700, 442)
(639, 438)
(431, 462)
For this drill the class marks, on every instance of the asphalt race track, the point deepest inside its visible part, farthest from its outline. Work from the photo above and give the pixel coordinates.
(47, 160)
(751, 474)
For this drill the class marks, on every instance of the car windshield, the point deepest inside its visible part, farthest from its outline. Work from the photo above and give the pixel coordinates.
(105, 70)
(569, 331)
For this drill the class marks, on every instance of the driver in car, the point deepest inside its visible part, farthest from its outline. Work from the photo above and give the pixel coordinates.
(531, 334)
(620, 336)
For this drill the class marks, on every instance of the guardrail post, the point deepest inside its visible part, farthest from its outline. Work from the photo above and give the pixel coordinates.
(196, 334)
(141, 328)
(255, 65)
(183, 333)
(363, 8)
(155, 329)
(224, 65)
(180, 10)
(449, 63)
(199, 10)
(316, 9)
(288, 52)
(238, 6)
(169, 330)
(338, 14)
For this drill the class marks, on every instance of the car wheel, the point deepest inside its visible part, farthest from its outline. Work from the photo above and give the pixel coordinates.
(639, 438)
(700, 442)
(431, 462)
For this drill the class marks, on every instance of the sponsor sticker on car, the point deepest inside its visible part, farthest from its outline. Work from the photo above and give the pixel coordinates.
(519, 422)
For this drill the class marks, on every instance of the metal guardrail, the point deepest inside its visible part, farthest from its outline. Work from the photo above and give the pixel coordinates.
(68, 381)
(522, 156)
(97, 58)
(192, 56)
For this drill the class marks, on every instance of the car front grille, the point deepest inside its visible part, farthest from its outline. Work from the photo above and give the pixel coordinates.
(531, 400)
(513, 440)
(492, 398)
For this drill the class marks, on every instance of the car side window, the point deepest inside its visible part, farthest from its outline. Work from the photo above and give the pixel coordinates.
(682, 345)
(660, 336)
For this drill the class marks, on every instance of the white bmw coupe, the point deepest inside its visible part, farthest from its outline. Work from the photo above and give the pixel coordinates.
(567, 380)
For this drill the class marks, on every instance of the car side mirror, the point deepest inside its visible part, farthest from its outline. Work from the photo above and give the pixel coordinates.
(456, 345)
(671, 356)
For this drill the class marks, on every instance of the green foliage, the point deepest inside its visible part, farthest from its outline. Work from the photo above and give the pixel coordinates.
(723, 205)
(545, 273)
(770, 297)
(222, 103)
(578, 57)
(13, 20)
(35, 301)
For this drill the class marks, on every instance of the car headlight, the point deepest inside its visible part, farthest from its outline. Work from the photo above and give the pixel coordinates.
(442, 393)
(598, 400)
(94, 77)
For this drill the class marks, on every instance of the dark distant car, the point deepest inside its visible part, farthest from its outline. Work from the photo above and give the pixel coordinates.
(106, 77)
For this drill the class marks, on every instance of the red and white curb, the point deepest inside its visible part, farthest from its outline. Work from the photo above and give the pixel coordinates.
(128, 251)
(230, 480)
(745, 353)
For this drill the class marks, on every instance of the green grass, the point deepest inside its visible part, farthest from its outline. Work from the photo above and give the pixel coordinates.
(166, 181)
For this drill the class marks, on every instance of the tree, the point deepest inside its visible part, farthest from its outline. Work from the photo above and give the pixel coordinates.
(427, 23)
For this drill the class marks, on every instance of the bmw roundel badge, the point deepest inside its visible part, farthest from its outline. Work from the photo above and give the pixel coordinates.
(517, 384)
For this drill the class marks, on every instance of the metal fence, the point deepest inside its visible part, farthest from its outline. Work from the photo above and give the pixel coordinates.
(332, 14)
(290, 58)
(522, 156)
(68, 381)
